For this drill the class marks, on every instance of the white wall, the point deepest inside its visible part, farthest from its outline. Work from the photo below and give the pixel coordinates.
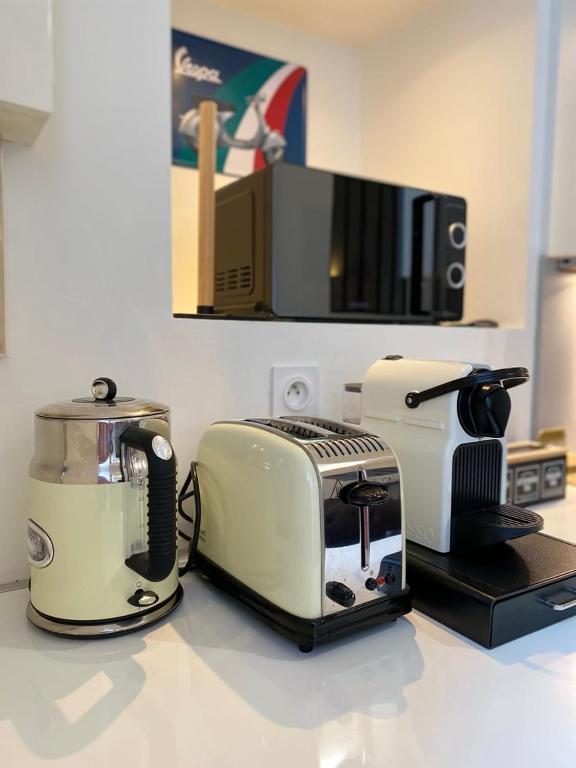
(562, 219)
(459, 97)
(333, 139)
(87, 238)
(25, 68)
(88, 283)
(556, 397)
(448, 104)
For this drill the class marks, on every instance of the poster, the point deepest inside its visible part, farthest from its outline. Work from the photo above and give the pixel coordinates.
(261, 105)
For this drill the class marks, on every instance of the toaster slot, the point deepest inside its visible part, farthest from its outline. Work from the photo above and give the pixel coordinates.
(334, 428)
(329, 439)
(292, 428)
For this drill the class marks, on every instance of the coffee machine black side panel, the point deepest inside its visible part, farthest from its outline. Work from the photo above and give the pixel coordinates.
(449, 267)
(478, 519)
(476, 475)
(242, 246)
(496, 594)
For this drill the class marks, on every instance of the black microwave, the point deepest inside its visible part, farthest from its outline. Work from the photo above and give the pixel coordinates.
(300, 243)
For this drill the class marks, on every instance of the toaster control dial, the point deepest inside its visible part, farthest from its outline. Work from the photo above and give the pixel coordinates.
(340, 594)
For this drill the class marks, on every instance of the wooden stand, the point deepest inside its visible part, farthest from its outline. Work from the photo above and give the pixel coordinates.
(206, 205)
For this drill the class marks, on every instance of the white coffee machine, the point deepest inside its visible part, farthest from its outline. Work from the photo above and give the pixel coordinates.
(474, 563)
(446, 423)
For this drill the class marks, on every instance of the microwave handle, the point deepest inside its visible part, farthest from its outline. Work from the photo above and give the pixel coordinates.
(422, 287)
(157, 563)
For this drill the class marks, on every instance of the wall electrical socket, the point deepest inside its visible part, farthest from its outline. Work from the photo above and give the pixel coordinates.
(295, 390)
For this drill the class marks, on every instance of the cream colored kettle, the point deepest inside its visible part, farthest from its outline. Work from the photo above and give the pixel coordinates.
(102, 515)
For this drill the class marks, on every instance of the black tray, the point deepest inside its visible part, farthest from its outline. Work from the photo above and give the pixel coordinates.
(499, 593)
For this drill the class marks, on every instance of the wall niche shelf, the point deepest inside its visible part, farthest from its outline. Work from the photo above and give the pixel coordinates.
(484, 324)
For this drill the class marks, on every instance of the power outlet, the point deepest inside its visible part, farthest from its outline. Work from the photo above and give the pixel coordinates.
(295, 390)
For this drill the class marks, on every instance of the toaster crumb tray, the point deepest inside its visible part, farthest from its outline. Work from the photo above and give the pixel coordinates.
(308, 633)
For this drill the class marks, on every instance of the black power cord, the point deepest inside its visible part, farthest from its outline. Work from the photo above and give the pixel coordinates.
(185, 493)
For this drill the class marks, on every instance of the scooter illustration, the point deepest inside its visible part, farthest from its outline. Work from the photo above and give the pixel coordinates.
(270, 142)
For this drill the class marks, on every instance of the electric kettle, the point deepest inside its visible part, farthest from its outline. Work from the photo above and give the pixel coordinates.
(102, 515)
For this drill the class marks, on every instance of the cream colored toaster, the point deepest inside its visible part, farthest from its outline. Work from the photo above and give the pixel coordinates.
(302, 520)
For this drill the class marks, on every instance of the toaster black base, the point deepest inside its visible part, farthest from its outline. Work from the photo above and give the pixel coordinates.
(308, 633)
(498, 593)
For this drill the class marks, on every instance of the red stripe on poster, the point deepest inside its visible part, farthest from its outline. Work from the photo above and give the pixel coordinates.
(277, 111)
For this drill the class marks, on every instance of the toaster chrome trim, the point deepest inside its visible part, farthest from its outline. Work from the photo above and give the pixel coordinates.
(336, 428)
(309, 428)
(357, 446)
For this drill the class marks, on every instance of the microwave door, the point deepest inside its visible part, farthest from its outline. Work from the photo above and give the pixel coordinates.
(369, 277)
(388, 249)
(404, 247)
(355, 259)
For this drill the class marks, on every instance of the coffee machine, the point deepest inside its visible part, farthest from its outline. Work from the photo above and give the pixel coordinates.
(474, 563)
(102, 515)
(446, 421)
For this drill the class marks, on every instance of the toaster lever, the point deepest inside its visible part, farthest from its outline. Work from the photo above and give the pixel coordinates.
(364, 494)
(364, 522)
(365, 536)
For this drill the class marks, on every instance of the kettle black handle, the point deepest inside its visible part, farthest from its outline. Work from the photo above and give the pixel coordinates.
(508, 377)
(157, 563)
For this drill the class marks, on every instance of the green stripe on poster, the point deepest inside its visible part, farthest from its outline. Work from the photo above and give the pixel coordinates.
(246, 83)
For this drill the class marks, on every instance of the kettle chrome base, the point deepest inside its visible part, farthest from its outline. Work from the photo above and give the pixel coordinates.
(91, 630)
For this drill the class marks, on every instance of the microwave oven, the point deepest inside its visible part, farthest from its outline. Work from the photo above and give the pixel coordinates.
(299, 243)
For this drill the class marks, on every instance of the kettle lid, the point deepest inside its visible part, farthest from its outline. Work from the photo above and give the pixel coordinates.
(104, 404)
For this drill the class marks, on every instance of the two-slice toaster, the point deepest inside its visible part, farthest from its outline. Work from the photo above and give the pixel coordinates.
(302, 521)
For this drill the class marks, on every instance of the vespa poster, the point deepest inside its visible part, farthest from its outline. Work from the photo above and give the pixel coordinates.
(261, 105)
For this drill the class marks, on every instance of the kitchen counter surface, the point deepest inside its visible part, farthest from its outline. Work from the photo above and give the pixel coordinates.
(211, 686)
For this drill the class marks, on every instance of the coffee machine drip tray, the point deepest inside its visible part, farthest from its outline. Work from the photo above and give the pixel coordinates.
(496, 594)
(492, 525)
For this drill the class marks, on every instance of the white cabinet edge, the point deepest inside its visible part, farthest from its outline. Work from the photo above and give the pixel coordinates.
(27, 71)
(20, 124)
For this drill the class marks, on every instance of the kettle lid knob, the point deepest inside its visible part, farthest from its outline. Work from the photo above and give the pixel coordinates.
(104, 389)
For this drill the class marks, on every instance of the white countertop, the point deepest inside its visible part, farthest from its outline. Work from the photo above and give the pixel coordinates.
(212, 686)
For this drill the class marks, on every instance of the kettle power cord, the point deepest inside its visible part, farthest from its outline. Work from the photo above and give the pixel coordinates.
(184, 495)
